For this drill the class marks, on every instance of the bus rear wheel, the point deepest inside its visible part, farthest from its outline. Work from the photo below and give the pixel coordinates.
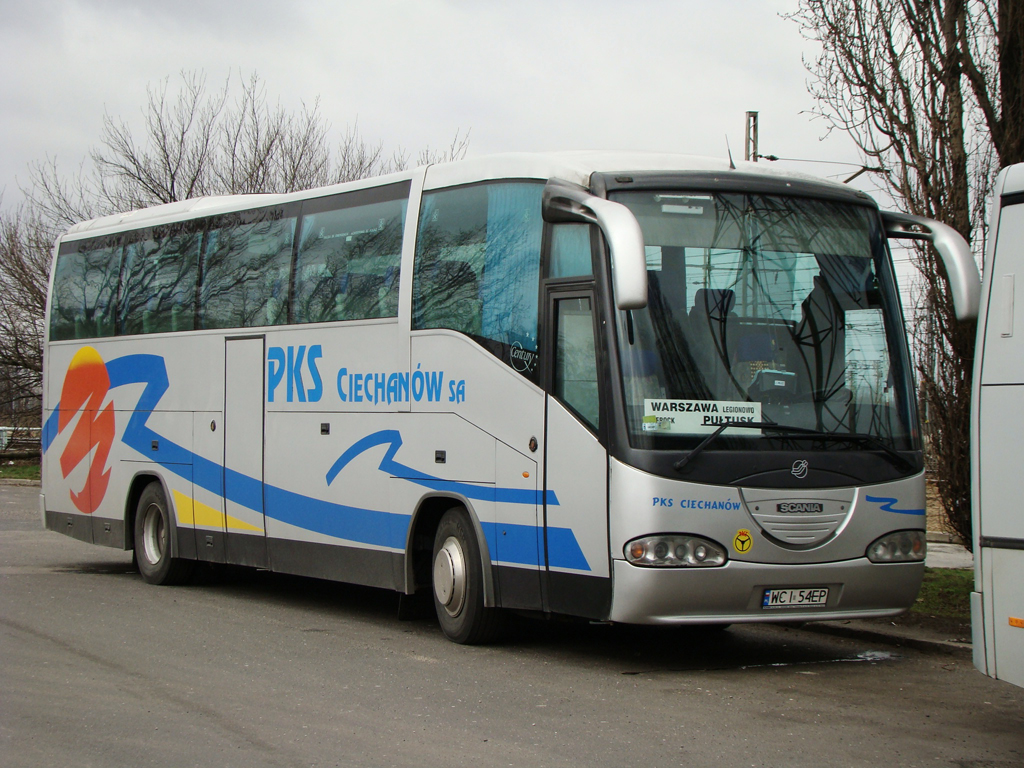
(153, 532)
(458, 583)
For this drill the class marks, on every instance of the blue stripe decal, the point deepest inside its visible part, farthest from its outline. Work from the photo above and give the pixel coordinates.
(888, 503)
(513, 543)
(367, 526)
(517, 544)
(564, 551)
(393, 440)
(50, 428)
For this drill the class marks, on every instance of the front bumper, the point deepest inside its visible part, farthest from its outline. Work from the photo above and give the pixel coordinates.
(733, 593)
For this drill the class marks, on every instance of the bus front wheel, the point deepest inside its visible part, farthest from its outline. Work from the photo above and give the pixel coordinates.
(153, 540)
(458, 583)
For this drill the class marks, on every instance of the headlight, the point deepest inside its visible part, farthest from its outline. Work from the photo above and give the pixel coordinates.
(675, 551)
(898, 547)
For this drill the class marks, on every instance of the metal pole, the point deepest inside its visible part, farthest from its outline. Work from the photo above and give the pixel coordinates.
(750, 150)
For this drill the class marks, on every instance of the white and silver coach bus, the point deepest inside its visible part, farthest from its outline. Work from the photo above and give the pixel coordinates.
(997, 604)
(641, 389)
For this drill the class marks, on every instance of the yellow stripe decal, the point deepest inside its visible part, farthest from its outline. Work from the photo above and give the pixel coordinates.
(197, 513)
(183, 508)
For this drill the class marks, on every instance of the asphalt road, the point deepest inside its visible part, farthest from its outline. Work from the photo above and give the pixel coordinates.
(255, 669)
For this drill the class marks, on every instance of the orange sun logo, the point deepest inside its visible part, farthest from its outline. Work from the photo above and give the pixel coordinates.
(85, 386)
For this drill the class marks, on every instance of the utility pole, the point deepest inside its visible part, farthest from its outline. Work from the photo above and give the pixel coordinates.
(750, 149)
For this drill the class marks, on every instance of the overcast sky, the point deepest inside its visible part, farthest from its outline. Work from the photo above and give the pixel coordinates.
(675, 76)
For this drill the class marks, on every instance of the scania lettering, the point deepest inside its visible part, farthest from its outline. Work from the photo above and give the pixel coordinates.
(800, 508)
(599, 385)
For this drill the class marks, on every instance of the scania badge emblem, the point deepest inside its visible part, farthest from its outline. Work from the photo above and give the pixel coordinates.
(800, 469)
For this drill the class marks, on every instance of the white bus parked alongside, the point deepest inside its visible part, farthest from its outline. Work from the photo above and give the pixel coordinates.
(997, 604)
(632, 388)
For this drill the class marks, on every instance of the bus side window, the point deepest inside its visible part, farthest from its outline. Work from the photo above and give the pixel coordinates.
(575, 380)
(478, 267)
(159, 283)
(245, 272)
(85, 289)
(570, 251)
(349, 260)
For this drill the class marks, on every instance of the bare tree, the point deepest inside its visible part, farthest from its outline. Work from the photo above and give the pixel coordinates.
(931, 92)
(197, 141)
(25, 249)
(175, 161)
(456, 150)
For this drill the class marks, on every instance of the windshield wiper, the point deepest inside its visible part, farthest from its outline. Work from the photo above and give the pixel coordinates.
(799, 432)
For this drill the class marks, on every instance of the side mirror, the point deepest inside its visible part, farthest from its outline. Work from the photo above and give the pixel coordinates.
(565, 202)
(961, 269)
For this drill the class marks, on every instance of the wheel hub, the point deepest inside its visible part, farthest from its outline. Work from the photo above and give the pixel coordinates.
(450, 576)
(153, 534)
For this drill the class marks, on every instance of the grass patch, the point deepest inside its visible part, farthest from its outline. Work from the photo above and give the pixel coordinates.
(19, 469)
(946, 592)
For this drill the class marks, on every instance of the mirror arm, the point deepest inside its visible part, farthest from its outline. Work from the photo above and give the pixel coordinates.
(564, 202)
(961, 269)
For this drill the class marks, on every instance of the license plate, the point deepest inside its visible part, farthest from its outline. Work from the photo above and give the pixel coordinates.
(795, 598)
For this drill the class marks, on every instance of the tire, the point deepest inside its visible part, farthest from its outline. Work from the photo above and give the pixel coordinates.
(458, 584)
(153, 531)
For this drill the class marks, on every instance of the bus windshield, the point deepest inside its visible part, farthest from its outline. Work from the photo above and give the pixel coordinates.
(763, 309)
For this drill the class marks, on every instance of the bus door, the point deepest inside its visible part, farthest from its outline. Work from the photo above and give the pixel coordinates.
(576, 464)
(244, 522)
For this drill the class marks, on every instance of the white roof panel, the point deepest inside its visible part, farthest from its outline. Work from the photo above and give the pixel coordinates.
(1013, 181)
(574, 167)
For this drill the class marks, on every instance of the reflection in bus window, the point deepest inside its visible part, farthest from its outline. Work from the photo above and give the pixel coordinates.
(570, 251)
(85, 289)
(780, 302)
(159, 288)
(478, 267)
(245, 272)
(348, 263)
(575, 381)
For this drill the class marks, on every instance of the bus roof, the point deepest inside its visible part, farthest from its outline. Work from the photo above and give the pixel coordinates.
(1013, 180)
(575, 167)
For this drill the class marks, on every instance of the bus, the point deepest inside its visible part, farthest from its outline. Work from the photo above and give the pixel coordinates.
(629, 388)
(997, 603)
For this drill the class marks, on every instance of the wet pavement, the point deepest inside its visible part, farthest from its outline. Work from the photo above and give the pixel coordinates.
(948, 556)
